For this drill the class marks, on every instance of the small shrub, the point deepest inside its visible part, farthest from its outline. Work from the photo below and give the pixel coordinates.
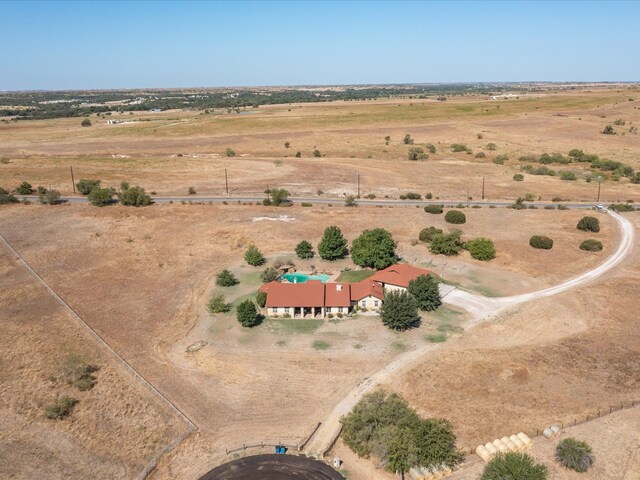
(575, 455)
(459, 147)
(266, 202)
(491, 146)
(540, 241)
(568, 175)
(407, 140)
(217, 304)
(304, 250)
(431, 148)
(100, 197)
(134, 197)
(254, 257)
(428, 195)
(24, 188)
(350, 201)
(589, 224)
(480, 155)
(261, 299)
(6, 197)
(306, 204)
(269, 274)
(298, 154)
(49, 197)
(479, 136)
(61, 408)
(229, 152)
(427, 234)
(412, 196)
(79, 373)
(446, 243)
(481, 248)
(455, 217)
(621, 207)
(591, 245)
(518, 177)
(434, 209)
(226, 279)
(316, 153)
(608, 130)
(85, 186)
(416, 153)
(513, 466)
(500, 159)
(86, 122)
(192, 191)
(370, 196)
(321, 345)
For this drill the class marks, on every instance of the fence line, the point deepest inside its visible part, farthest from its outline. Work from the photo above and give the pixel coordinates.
(581, 419)
(191, 426)
(297, 446)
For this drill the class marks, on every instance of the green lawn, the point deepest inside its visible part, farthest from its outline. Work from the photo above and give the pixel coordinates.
(292, 325)
(355, 275)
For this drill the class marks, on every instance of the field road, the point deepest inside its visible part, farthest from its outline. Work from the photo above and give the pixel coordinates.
(326, 201)
(481, 308)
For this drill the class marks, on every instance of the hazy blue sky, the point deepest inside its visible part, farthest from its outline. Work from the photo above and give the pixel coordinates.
(65, 45)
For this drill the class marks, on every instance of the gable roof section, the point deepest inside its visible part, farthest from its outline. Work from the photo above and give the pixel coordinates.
(308, 294)
(399, 274)
(366, 288)
(337, 294)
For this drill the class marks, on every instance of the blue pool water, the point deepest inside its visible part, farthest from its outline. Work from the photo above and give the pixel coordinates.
(302, 277)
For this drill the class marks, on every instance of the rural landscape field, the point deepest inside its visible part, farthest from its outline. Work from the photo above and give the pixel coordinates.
(338, 261)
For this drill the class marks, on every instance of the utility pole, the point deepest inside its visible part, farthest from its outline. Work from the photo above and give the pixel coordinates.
(358, 184)
(73, 183)
(226, 182)
(599, 181)
(483, 187)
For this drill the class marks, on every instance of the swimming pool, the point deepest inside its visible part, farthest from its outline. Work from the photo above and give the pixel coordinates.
(303, 277)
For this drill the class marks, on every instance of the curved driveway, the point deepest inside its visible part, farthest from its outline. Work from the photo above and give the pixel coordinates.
(481, 308)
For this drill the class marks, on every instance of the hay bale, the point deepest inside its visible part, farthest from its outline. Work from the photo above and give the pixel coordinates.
(525, 439)
(556, 429)
(517, 442)
(500, 446)
(548, 433)
(483, 453)
(416, 474)
(510, 445)
(491, 447)
(427, 473)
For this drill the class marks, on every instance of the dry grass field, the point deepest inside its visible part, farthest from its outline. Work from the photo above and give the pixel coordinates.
(170, 151)
(114, 430)
(141, 278)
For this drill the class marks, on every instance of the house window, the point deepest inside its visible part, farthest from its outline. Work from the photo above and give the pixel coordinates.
(286, 310)
(376, 303)
(363, 303)
(339, 309)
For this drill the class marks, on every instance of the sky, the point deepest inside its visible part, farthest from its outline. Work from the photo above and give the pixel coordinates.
(108, 45)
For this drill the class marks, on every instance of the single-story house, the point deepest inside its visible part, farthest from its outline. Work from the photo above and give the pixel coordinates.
(316, 299)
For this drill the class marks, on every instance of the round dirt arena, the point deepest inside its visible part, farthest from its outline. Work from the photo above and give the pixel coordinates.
(273, 467)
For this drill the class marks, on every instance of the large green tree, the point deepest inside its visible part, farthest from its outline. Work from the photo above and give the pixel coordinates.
(333, 245)
(247, 314)
(374, 249)
(425, 290)
(304, 250)
(279, 196)
(254, 257)
(399, 310)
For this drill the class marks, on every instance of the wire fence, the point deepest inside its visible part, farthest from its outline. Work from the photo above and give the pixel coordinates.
(271, 443)
(578, 420)
(191, 426)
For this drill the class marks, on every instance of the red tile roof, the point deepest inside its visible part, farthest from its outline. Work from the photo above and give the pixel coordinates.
(337, 294)
(308, 294)
(366, 288)
(399, 274)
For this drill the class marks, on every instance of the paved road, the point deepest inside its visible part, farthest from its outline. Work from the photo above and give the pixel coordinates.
(326, 201)
(481, 308)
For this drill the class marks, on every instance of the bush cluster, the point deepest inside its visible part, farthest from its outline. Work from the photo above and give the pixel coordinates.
(591, 245)
(575, 455)
(434, 209)
(589, 224)
(481, 248)
(217, 304)
(455, 217)
(427, 234)
(6, 197)
(513, 466)
(61, 408)
(446, 243)
(226, 279)
(540, 241)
